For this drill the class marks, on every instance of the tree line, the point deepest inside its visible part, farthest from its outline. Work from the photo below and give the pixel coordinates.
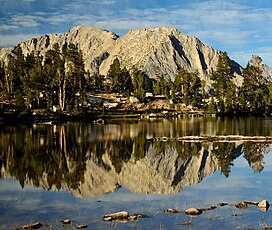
(59, 78)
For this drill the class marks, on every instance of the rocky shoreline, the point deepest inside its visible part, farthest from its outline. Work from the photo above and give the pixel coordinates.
(124, 216)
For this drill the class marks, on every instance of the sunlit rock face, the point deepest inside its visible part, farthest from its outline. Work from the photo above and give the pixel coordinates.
(158, 172)
(166, 172)
(165, 169)
(158, 51)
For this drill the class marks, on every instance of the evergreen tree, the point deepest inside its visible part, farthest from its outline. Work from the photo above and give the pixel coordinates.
(97, 82)
(56, 67)
(140, 83)
(120, 78)
(75, 74)
(188, 85)
(15, 71)
(32, 82)
(254, 86)
(162, 87)
(2, 77)
(222, 77)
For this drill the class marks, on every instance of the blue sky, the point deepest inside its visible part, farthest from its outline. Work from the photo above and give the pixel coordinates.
(239, 27)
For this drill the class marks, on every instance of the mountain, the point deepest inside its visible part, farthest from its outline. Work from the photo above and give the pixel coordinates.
(157, 51)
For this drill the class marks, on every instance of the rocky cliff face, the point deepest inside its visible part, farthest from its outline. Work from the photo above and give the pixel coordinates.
(158, 52)
(267, 72)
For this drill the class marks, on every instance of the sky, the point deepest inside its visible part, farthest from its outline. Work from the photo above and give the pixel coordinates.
(242, 28)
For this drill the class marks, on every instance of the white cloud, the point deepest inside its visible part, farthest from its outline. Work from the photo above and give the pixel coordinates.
(25, 20)
(8, 27)
(244, 56)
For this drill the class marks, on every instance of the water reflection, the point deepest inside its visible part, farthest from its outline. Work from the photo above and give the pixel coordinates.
(91, 159)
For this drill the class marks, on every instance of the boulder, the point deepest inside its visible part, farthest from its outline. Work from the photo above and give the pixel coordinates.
(241, 205)
(116, 216)
(263, 205)
(36, 225)
(193, 212)
(171, 210)
(67, 221)
(82, 226)
(133, 99)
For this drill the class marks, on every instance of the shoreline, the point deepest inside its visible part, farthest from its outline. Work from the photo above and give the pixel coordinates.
(17, 118)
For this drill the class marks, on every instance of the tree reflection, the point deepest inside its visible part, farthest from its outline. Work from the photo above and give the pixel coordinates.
(58, 156)
(254, 154)
(30, 154)
(225, 155)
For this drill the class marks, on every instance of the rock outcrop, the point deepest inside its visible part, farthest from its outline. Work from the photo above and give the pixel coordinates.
(158, 51)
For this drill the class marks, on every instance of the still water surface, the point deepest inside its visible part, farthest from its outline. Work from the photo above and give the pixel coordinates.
(82, 171)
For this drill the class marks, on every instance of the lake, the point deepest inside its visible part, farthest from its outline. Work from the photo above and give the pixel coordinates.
(82, 171)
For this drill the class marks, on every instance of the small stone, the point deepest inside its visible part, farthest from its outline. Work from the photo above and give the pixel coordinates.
(36, 225)
(263, 205)
(81, 226)
(133, 218)
(171, 210)
(142, 215)
(66, 221)
(222, 204)
(213, 206)
(193, 212)
(241, 205)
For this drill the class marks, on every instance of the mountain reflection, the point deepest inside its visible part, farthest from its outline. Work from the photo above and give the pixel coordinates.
(88, 160)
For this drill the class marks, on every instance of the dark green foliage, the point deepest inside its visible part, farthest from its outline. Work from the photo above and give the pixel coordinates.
(19, 101)
(58, 78)
(254, 154)
(225, 89)
(162, 87)
(222, 76)
(224, 152)
(187, 87)
(141, 84)
(120, 78)
(96, 83)
(254, 91)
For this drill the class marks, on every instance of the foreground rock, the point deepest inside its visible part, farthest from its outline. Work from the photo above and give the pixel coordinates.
(66, 221)
(263, 205)
(82, 226)
(193, 212)
(241, 205)
(116, 216)
(36, 225)
(171, 210)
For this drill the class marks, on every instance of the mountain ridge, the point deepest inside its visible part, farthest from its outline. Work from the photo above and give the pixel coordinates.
(160, 51)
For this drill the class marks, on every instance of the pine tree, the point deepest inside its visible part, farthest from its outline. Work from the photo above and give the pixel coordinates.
(120, 78)
(140, 83)
(222, 77)
(254, 86)
(188, 85)
(75, 74)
